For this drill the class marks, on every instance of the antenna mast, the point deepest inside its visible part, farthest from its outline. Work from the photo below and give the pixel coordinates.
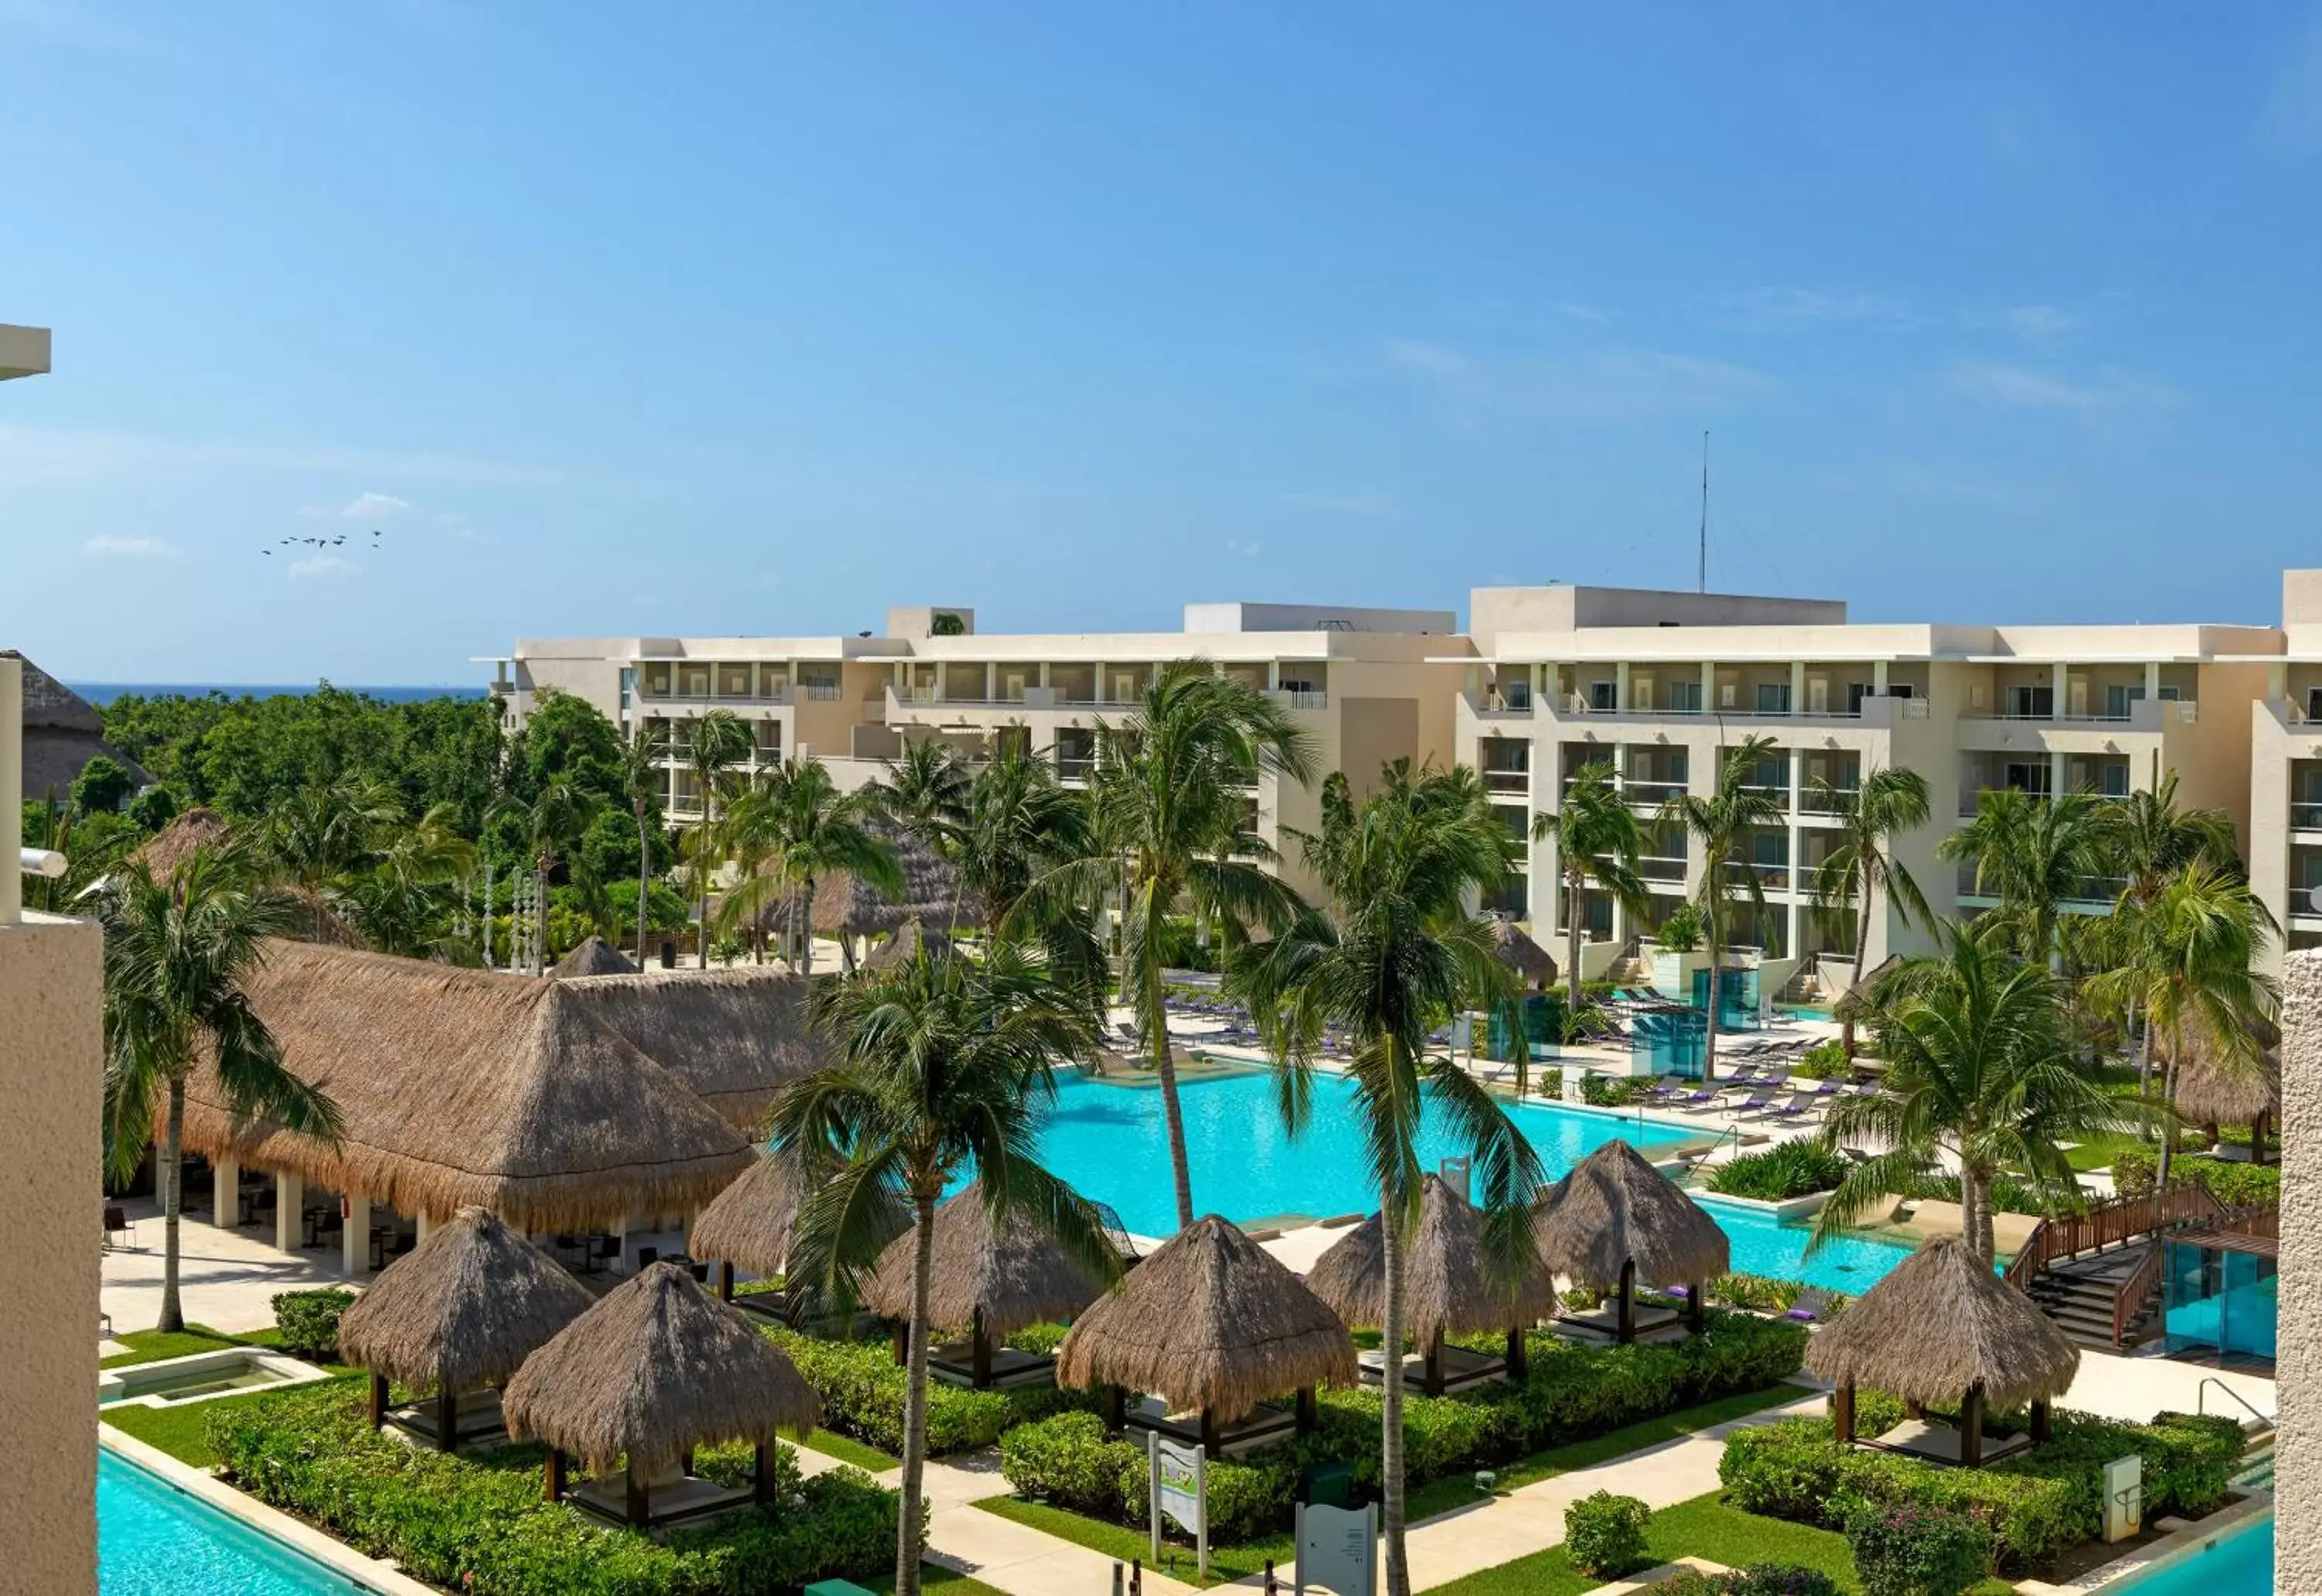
(1704, 577)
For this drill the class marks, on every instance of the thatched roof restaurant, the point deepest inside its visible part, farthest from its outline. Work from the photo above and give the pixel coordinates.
(1449, 1286)
(1943, 1327)
(989, 1277)
(594, 956)
(1616, 1219)
(460, 1087)
(1519, 953)
(734, 1037)
(459, 1313)
(655, 1369)
(1214, 1324)
(187, 832)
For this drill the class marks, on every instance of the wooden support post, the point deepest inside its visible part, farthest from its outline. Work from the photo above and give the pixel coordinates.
(1697, 1307)
(1519, 1353)
(979, 1355)
(553, 1475)
(2044, 1424)
(1970, 1441)
(636, 1503)
(1306, 1415)
(1434, 1380)
(378, 1399)
(1209, 1430)
(902, 1342)
(447, 1419)
(1116, 1408)
(726, 1282)
(761, 1475)
(1842, 1413)
(1628, 1301)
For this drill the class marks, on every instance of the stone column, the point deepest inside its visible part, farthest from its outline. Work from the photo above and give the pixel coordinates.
(289, 1198)
(2297, 1376)
(225, 1193)
(356, 1239)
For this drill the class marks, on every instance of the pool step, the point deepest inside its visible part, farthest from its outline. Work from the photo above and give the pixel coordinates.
(2256, 1472)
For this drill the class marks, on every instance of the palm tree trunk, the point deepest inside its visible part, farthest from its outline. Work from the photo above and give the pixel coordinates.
(1716, 962)
(1398, 1566)
(645, 882)
(2168, 1131)
(702, 844)
(173, 1316)
(806, 933)
(2143, 1053)
(915, 1405)
(1575, 887)
(1155, 1019)
(1862, 952)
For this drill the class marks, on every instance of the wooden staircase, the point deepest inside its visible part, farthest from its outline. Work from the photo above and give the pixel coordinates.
(2097, 1273)
(2085, 1298)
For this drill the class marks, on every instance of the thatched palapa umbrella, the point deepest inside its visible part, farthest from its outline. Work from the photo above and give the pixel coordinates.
(1615, 1217)
(1210, 1321)
(989, 1279)
(1450, 1283)
(905, 946)
(2215, 1088)
(655, 1369)
(1943, 1327)
(1532, 963)
(1853, 1005)
(749, 1224)
(459, 1312)
(187, 832)
(594, 956)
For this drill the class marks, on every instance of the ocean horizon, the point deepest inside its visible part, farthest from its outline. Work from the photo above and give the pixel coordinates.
(101, 693)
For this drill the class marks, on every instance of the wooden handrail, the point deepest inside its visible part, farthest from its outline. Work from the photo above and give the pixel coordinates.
(2109, 1223)
(2133, 1292)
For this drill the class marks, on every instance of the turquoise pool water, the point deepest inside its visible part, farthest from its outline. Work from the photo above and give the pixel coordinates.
(1765, 1246)
(2240, 1563)
(152, 1540)
(1109, 1143)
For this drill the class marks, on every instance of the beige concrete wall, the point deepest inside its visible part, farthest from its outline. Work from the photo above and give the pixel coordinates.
(51, 1075)
(2298, 1457)
(2211, 755)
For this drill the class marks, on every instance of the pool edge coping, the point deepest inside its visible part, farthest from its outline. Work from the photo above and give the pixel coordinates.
(2173, 1547)
(339, 1558)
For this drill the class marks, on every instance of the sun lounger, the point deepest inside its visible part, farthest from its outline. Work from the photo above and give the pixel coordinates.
(1812, 1305)
(1756, 1103)
(1801, 1107)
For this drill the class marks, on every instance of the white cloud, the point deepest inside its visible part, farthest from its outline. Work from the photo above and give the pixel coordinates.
(1368, 506)
(2022, 387)
(316, 567)
(130, 548)
(1234, 545)
(1604, 382)
(363, 506)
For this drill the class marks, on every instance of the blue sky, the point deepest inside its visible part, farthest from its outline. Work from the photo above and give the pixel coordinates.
(753, 318)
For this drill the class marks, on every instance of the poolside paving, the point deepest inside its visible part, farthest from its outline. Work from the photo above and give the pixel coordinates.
(226, 1279)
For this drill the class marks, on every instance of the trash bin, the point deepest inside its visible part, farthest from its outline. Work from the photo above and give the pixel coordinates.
(668, 953)
(1327, 1485)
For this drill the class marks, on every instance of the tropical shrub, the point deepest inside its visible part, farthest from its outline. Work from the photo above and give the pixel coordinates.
(2008, 1196)
(1759, 1579)
(863, 1387)
(1763, 1293)
(1041, 1341)
(1908, 1550)
(1681, 932)
(479, 1525)
(1611, 1091)
(309, 1321)
(1822, 1061)
(1792, 1169)
(2236, 1185)
(1605, 1534)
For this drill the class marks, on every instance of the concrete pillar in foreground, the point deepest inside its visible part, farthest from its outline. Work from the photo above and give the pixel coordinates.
(358, 1235)
(225, 1193)
(289, 1201)
(2298, 1458)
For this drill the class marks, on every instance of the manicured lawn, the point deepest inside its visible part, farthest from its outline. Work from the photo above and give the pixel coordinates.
(1458, 1490)
(150, 1346)
(177, 1431)
(847, 1449)
(934, 1576)
(1226, 1563)
(1702, 1527)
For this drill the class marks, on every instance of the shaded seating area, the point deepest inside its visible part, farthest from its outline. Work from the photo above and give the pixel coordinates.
(1450, 1287)
(1942, 1330)
(1214, 1329)
(991, 1275)
(748, 1227)
(1616, 1221)
(458, 1315)
(633, 1385)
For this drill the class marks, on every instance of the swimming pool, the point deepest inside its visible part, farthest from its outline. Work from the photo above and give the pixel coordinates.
(152, 1539)
(1109, 1141)
(2238, 1563)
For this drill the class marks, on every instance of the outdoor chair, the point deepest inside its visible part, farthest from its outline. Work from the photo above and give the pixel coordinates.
(1701, 1101)
(602, 1250)
(1805, 1106)
(116, 1223)
(1757, 1102)
(1812, 1305)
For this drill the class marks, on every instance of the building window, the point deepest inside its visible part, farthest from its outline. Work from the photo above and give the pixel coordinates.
(2032, 702)
(1685, 697)
(628, 685)
(1604, 695)
(1773, 698)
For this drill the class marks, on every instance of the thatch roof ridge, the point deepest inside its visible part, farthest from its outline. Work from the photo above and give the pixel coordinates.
(734, 1036)
(1015, 1273)
(594, 956)
(749, 1224)
(848, 906)
(458, 1087)
(1941, 1322)
(50, 705)
(462, 1309)
(655, 1369)
(1448, 1279)
(188, 830)
(1209, 1319)
(1613, 1206)
(1854, 1003)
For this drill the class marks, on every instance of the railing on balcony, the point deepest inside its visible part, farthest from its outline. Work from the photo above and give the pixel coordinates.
(1498, 780)
(1768, 875)
(1836, 801)
(1661, 869)
(1650, 792)
(1075, 769)
(2305, 816)
(2087, 890)
(1301, 697)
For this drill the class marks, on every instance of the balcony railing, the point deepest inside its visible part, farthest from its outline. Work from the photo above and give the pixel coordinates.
(1655, 793)
(1075, 769)
(1814, 801)
(2305, 816)
(778, 695)
(1661, 869)
(1768, 875)
(1301, 697)
(1507, 781)
(2086, 890)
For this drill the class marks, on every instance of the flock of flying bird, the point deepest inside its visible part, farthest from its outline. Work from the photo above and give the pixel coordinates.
(324, 543)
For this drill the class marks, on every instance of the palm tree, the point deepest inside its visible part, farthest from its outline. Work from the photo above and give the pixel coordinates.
(1597, 841)
(1016, 822)
(1397, 955)
(945, 1066)
(1862, 861)
(1720, 826)
(2149, 841)
(1978, 1072)
(721, 740)
(324, 835)
(796, 819)
(2186, 959)
(1168, 800)
(2034, 854)
(642, 780)
(400, 905)
(559, 817)
(178, 954)
(925, 787)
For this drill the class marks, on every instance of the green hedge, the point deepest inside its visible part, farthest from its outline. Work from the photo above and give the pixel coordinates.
(1571, 1392)
(479, 1525)
(1793, 1168)
(309, 1321)
(2236, 1185)
(2035, 1504)
(1605, 1534)
(862, 1388)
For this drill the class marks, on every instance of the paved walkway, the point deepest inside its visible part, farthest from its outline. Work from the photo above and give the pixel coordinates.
(226, 1279)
